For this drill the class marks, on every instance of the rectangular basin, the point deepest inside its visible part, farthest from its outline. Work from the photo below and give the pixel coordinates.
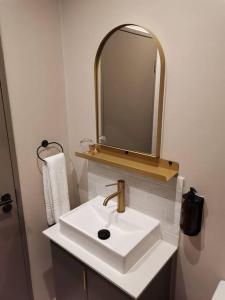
(132, 233)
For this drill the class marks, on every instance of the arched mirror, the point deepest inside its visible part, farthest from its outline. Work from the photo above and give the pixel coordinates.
(129, 72)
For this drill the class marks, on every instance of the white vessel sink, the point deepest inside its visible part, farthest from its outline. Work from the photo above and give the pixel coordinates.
(132, 233)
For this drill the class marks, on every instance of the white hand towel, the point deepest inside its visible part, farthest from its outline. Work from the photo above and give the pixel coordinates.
(55, 187)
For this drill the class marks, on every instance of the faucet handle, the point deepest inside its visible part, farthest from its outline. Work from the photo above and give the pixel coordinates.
(111, 184)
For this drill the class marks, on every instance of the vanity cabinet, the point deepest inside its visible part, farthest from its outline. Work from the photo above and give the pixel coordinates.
(75, 281)
(69, 275)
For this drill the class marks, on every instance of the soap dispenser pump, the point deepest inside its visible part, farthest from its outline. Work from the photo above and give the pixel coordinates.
(191, 213)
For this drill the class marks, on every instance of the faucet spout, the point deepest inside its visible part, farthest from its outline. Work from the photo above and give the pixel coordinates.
(110, 197)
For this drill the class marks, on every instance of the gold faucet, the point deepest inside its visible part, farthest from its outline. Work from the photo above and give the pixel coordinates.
(121, 196)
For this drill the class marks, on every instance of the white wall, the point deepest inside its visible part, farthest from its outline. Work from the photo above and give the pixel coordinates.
(192, 34)
(30, 32)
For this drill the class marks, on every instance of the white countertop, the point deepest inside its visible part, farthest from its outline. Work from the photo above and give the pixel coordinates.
(220, 291)
(136, 279)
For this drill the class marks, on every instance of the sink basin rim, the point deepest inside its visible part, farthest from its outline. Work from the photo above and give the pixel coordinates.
(120, 256)
(105, 243)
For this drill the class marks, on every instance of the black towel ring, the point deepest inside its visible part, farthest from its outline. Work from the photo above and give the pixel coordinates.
(45, 144)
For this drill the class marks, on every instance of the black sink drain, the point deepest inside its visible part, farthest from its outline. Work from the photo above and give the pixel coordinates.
(103, 234)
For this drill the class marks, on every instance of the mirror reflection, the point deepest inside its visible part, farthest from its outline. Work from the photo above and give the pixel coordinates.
(128, 83)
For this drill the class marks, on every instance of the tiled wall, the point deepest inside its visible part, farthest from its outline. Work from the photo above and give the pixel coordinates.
(152, 197)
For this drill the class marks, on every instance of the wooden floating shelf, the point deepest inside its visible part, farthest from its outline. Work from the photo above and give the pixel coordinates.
(156, 168)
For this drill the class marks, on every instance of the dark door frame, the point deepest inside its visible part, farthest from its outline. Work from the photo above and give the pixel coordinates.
(6, 105)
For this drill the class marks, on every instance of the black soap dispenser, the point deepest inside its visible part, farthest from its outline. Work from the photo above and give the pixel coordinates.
(191, 213)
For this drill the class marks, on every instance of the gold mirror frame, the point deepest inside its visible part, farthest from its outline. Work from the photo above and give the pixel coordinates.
(161, 92)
